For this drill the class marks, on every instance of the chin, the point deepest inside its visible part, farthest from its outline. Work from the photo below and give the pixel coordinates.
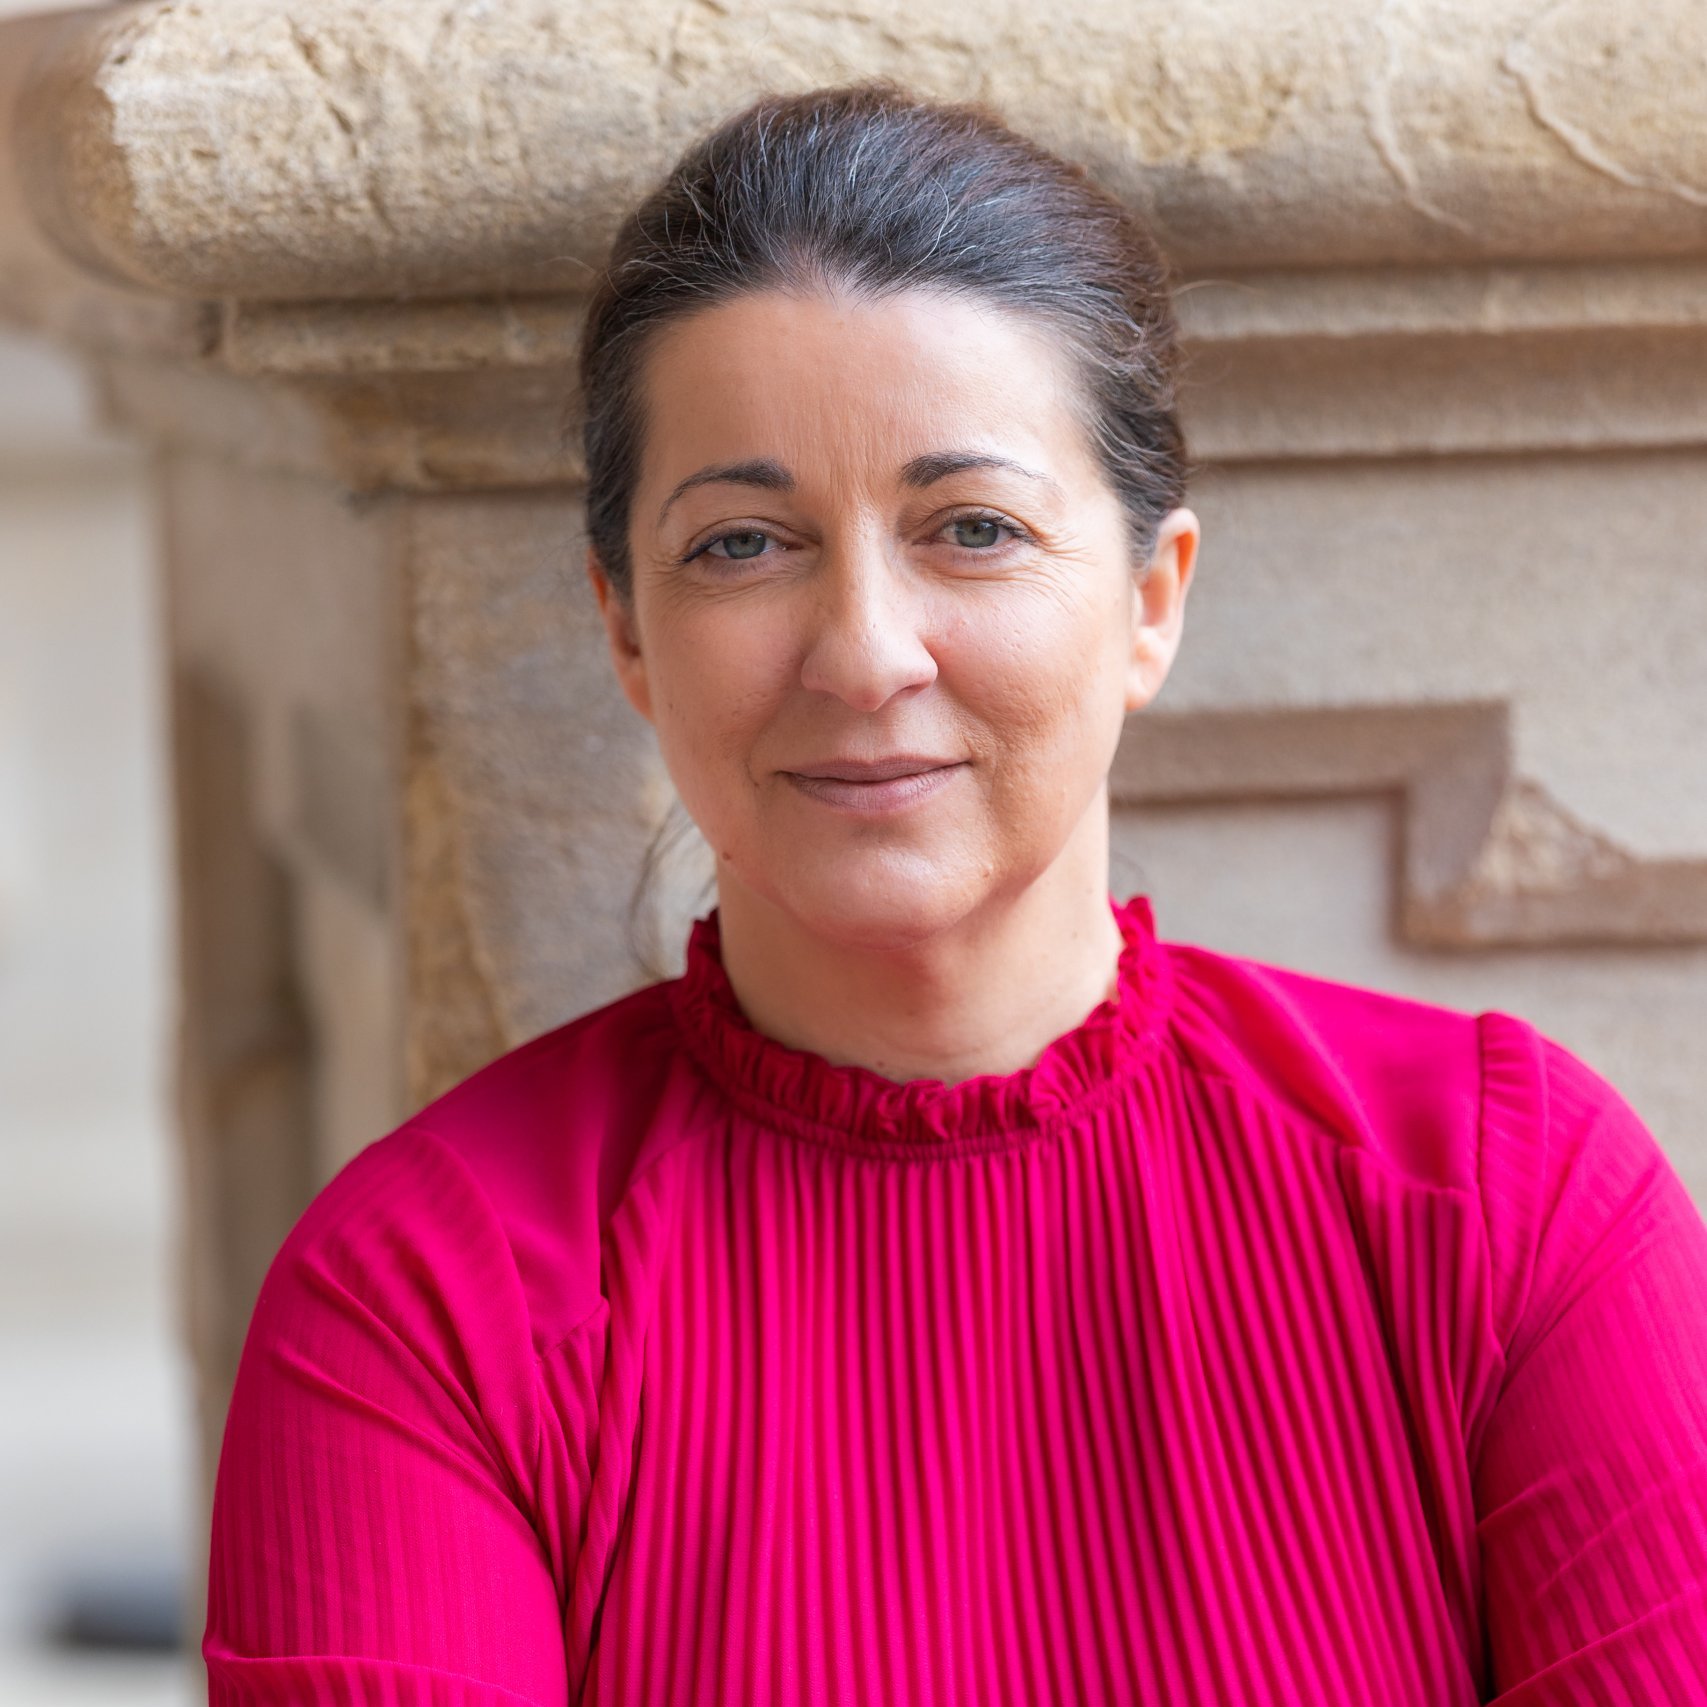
(881, 904)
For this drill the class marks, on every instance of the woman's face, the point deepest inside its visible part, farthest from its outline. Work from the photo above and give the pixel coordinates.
(884, 618)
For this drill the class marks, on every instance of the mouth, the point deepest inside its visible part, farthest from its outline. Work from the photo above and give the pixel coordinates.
(874, 785)
(873, 770)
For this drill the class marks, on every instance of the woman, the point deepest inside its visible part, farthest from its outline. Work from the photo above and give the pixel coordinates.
(947, 1290)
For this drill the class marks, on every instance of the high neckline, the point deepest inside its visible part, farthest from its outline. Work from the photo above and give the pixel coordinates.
(853, 1107)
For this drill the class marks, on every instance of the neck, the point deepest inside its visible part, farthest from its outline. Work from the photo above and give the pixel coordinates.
(985, 995)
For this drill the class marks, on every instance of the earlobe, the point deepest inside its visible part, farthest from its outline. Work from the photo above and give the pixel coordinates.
(620, 634)
(1159, 607)
(619, 619)
(1146, 671)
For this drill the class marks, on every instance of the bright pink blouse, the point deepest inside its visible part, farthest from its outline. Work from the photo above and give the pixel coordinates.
(1269, 1340)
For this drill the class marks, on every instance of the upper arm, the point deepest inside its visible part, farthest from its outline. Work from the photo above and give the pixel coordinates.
(1591, 1472)
(373, 1534)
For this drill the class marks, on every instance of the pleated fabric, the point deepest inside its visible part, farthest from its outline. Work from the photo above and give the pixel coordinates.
(1269, 1340)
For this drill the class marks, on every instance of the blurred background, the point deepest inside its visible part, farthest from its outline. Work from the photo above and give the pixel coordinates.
(96, 1422)
(315, 790)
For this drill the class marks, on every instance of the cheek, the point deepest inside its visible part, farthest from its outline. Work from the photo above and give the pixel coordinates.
(715, 688)
(1046, 681)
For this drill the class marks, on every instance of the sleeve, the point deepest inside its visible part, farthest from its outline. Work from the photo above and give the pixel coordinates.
(1590, 1476)
(372, 1536)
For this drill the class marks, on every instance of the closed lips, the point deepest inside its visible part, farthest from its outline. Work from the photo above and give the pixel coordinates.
(873, 770)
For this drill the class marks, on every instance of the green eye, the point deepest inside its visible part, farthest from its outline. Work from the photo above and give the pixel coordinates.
(741, 545)
(977, 532)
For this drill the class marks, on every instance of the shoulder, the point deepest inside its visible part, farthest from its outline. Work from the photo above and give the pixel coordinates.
(1551, 1153)
(1572, 1179)
(1397, 1079)
(395, 1264)
(500, 1187)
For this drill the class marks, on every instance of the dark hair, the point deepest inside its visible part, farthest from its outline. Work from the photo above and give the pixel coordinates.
(871, 189)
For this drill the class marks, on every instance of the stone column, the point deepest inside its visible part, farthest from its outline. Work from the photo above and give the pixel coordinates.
(1437, 720)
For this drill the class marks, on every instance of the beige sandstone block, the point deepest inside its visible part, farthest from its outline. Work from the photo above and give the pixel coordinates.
(534, 788)
(319, 149)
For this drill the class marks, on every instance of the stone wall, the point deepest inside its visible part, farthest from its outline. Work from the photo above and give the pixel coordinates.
(1436, 724)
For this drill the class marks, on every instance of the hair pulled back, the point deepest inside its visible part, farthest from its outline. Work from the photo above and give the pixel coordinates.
(869, 189)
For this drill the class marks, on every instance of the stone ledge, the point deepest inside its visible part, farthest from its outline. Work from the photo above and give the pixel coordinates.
(253, 149)
(463, 393)
(1247, 310)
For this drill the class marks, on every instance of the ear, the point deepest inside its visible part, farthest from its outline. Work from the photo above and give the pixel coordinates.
(624, 640)
(1158, 610)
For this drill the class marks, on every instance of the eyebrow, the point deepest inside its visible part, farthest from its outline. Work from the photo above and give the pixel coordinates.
(762, 471)
(926, 470)
(938, 465)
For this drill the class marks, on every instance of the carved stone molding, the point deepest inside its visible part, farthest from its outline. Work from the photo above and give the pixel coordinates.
(1489, 858)
(476, 393)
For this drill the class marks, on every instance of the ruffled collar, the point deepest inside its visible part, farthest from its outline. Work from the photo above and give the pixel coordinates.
(853, 1107)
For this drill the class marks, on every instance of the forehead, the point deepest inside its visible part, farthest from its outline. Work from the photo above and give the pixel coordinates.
(865, 384)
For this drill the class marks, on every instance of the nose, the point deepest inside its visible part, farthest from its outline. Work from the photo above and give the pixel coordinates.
(867, 637)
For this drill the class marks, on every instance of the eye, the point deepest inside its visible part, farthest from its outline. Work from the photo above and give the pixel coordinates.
(980, 532)
(738, 547)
